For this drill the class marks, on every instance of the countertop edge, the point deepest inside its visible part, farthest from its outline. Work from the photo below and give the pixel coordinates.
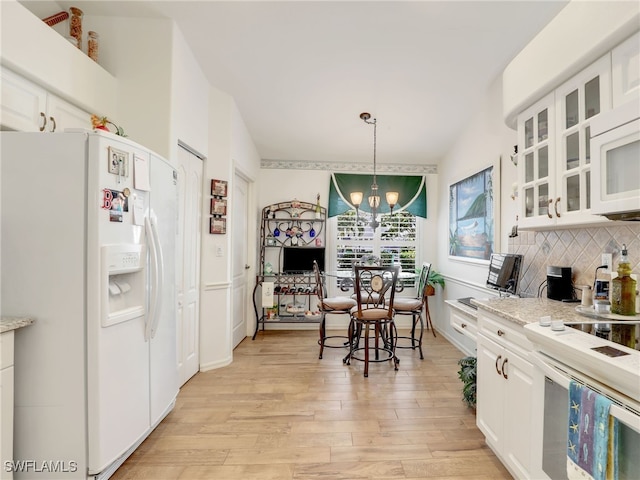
(523, 311)
(462, 308)
(10, 323)
(485, 305)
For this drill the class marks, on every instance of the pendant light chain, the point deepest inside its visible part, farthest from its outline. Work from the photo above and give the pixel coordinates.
(375, 128)
(374, 198)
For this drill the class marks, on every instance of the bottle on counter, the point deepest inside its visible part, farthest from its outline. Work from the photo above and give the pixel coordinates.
(623, 288)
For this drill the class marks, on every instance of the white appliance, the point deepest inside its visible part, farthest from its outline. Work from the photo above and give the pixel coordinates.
(606, 368)
(89, 226)
(615, 163)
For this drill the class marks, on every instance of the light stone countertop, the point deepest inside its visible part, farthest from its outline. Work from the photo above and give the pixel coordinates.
(13, 323)
(529, 310)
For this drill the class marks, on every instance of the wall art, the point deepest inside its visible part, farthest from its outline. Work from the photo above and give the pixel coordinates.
(472, 214)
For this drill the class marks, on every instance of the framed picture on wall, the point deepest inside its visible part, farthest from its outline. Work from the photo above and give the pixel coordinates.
(472, 216)
(218, 206)
(218, 225)
(218, 188)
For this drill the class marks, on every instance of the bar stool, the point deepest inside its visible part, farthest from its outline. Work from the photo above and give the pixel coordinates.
(413, 307)
(333, 305)
(374, 309)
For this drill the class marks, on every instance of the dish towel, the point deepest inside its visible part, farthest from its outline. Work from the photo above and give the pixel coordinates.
(593, 436)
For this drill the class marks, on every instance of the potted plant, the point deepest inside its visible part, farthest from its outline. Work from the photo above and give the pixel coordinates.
(467, 374)
(434, 278)
(100, 123)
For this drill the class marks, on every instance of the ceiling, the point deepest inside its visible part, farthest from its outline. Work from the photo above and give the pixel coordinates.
(301, 72)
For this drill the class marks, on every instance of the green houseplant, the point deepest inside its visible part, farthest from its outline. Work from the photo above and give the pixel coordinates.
(467, 374)
(434, 278)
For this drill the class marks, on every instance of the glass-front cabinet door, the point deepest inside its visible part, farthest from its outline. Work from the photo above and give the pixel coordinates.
(536, 174)
(578, 101)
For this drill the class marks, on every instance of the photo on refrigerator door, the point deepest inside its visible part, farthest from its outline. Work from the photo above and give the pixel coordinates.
(118, 162)
(116, 202)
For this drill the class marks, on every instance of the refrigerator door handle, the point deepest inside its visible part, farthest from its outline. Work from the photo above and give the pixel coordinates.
(156, 278)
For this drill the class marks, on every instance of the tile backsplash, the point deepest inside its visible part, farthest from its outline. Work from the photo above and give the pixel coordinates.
(578, 248)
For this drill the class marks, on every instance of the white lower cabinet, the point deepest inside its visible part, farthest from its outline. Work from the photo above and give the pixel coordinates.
(28, 107)
(504, 392)
(463, 323)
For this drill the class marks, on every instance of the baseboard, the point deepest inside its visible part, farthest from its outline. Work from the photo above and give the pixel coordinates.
(214, 365)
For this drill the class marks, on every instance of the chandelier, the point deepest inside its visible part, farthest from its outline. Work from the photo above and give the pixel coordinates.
(374, 198)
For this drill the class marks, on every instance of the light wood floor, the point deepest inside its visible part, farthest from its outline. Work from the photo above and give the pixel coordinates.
(278, 413)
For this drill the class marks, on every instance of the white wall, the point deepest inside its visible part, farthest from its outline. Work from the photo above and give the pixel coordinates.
(189, 110)
(485, 141)
(280, 185)
(144, 78)
(230, 149)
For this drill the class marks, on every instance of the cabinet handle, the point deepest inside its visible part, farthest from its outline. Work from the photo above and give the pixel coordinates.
(54, 124)
(500, 333)
(498, 368)
(555, 207)
(549, 208)
(504, 371)
(44, 121)
(463, 325)
(247, 267)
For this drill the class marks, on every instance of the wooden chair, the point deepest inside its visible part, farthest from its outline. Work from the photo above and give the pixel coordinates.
(375, 291)
(414, 307)
(365, 261)
(333, 305)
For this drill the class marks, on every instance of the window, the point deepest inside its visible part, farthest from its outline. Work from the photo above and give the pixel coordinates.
(394, 241)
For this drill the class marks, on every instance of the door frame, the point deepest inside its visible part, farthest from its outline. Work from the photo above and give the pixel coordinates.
(250, 245)
(184, 377)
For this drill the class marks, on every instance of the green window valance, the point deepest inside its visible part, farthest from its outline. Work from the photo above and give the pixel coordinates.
(412, 190)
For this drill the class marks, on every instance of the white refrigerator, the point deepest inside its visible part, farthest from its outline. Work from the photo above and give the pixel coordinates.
(89, 224)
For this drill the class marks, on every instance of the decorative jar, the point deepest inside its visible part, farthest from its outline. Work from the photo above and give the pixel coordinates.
(75, 25)
(92, 45)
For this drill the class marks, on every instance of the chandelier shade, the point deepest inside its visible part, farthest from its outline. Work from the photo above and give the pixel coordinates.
(411, 189)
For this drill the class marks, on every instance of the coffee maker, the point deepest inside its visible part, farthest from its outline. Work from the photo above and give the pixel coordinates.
(559, 283)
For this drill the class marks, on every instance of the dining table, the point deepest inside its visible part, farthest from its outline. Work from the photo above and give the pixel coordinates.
(345, 279)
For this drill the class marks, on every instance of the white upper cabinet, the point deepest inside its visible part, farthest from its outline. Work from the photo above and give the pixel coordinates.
(578, 101)
(22, 104)
(536, 175)
(554, 161)
(25, 106)
(625, 70)
(63, 115)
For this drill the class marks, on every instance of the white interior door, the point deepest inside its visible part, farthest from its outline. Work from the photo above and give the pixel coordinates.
(190, 170)
(240, 255)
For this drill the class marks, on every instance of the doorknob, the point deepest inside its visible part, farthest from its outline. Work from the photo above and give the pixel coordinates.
(247, 267)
